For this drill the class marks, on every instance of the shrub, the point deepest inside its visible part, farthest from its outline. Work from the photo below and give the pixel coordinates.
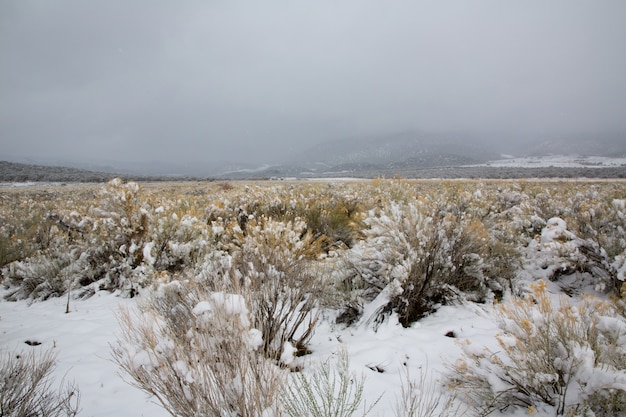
(329, 390)
(332, 214)
(24, 230)
(98, 246)
(429, 252)
(117, 242)
(39, 278)
(334, 221)
(26, 388)
(597, 214)
(577, 265)
(423, 397)
(195, 351)
(272, 267)
(564, 356)
(266, 270)
(177, 238)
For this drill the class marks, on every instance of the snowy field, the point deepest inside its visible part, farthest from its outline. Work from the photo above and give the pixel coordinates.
(81, 340)
(82, 337)
(569, 235)
(559, 161)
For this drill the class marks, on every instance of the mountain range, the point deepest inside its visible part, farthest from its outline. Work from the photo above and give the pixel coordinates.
(407, 154)
(414, 154)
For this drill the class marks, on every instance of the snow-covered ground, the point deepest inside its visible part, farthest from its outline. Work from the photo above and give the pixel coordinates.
(81, 341)
(558, 161)
(82, 338)
(382, 354)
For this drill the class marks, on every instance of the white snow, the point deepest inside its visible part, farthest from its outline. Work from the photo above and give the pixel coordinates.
(202, 307)
(559, 161)
(232, 305)
(256, 339)
(83, 337)
(288, 355)
(556, 229)
(147, 253)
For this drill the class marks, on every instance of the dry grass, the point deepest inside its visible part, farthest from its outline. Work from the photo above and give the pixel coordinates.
(425, 397)
(329, 390)
(26, 388)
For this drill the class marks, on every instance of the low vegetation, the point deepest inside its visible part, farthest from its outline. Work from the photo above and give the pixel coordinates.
(245, 272)
(570, 357)
(195, 351)
(26, 387)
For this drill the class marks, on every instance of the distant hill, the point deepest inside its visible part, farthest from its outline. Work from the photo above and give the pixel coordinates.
(18, 172)
(419, 155)
(408, 155)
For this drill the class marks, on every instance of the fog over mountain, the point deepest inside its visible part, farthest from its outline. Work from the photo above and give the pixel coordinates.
(406, 154)
(195, 86)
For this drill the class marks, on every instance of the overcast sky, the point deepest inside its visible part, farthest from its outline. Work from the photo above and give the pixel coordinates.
(250, 80)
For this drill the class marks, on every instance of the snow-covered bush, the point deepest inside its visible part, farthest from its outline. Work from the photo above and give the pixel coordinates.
(598, 214)
(116, 241)
(40, 277)
(558, 354)
(245, 312)
(430, 252)
(577, 265)
(595, 215)
(117, 237)
(273, 266)
(178, 239)
(98, 246)
(331, 214)
(195, 350)
(26, 387)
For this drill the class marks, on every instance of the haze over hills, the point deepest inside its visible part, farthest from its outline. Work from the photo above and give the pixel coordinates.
(421, 149)
(610, 145)
(409, 154)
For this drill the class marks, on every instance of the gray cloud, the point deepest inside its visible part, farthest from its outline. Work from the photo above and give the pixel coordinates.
(250, 80)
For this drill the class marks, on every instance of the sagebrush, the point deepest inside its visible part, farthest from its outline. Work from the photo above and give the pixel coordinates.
(27, 387)
(556, 353)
